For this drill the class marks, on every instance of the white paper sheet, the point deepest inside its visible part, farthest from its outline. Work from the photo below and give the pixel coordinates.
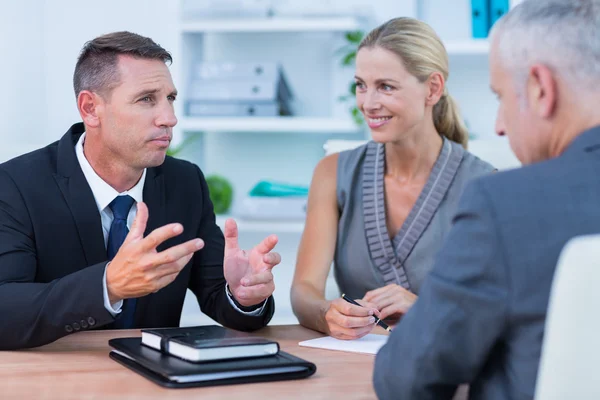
(369, 344)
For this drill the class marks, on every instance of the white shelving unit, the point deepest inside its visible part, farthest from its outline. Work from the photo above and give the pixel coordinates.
(284, 149)
(198, 36)
(247, 25)
(270, 125)
(264, 227)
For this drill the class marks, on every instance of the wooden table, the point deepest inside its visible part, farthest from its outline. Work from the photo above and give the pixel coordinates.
(78, 367)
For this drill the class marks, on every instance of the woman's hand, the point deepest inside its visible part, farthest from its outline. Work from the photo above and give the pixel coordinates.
(348, 321)
(392, 301)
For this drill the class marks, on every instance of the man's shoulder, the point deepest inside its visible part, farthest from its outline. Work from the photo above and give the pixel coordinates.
(31, 164)
(181, 172)
(534, 190)
(177, 164)
(544, 174)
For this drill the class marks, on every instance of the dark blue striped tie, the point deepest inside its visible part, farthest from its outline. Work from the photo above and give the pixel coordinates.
(120, 207)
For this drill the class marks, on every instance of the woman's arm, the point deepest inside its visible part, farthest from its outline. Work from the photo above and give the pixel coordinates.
(337, 318)
(317, 247)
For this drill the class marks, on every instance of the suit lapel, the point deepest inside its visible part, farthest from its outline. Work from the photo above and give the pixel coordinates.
(79, 197)
(155, 199)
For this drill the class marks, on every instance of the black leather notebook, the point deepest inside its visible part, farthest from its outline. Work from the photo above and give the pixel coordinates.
(173, 372)
(207, 343)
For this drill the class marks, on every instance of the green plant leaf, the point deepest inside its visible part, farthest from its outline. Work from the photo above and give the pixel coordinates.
(220, 192)
(357, 116)
(349, 58)
(173, 151)
(353, 88)
(354, 37)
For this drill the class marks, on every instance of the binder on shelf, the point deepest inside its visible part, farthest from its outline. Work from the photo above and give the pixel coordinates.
(233, 70)
(238, 90)
(235, 109)
(480, 18)
(220, 89)
(497, 9)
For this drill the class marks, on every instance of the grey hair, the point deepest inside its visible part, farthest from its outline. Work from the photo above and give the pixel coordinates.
(561, 34)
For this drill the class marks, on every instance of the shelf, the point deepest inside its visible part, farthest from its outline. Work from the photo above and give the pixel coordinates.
(279, 24)
(266, 227)
(270, 125)
(471, 46)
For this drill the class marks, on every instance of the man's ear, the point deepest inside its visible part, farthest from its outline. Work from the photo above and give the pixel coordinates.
(542, 90)
(435, 87)
(90, 106)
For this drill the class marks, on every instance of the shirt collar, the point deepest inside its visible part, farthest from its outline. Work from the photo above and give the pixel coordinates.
(102, 191)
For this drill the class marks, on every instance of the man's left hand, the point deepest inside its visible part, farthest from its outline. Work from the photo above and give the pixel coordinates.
(249, 273)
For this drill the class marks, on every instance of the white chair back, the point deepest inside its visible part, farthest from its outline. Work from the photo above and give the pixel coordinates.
(570, 361)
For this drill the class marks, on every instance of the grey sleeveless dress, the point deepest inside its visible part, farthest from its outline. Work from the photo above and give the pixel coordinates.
(365, 257)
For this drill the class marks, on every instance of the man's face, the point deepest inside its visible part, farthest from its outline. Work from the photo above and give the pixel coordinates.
(137, 117)
(516, 118)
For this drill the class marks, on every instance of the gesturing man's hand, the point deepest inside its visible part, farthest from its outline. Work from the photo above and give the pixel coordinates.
(138, 269)
(249, 274)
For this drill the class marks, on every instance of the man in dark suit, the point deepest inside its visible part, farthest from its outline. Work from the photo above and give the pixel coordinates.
(480, 314)
(100, 230)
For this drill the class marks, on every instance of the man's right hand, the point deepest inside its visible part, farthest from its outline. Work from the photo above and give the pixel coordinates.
(138, 269)
(348, 321)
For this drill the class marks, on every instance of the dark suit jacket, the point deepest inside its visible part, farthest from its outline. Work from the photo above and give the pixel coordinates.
(480, 314)
(53, 256)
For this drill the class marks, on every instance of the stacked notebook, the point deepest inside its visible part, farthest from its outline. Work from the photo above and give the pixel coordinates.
(206, 356)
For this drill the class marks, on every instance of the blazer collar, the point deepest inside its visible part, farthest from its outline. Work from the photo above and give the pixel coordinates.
(587, 141)
(80, 199)
(67, 163)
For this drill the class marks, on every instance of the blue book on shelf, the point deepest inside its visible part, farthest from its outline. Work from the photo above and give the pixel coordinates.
(497, 9)
(480, 16)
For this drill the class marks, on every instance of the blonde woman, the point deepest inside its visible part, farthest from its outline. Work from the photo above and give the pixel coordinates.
(381, 212)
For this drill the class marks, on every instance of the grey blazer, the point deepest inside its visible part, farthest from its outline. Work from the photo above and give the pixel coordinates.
(480, 314)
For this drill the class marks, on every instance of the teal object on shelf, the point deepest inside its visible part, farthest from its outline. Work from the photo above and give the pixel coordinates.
(480, 18)
(274, 189)
(497, 9)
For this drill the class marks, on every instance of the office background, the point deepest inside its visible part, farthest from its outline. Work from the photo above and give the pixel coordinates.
(40, 41)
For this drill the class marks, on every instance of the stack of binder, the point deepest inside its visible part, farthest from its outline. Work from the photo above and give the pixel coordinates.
(484, 14)
(227, 89)
(206, 356)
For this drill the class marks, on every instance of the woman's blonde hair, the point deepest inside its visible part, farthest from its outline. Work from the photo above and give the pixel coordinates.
(422, 53)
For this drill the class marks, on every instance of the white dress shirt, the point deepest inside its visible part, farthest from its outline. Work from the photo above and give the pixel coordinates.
(104, 194)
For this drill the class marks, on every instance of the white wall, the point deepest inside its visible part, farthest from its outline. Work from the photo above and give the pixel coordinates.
(22, 104)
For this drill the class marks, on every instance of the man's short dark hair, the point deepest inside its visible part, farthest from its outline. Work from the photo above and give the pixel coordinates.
(97, 68)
